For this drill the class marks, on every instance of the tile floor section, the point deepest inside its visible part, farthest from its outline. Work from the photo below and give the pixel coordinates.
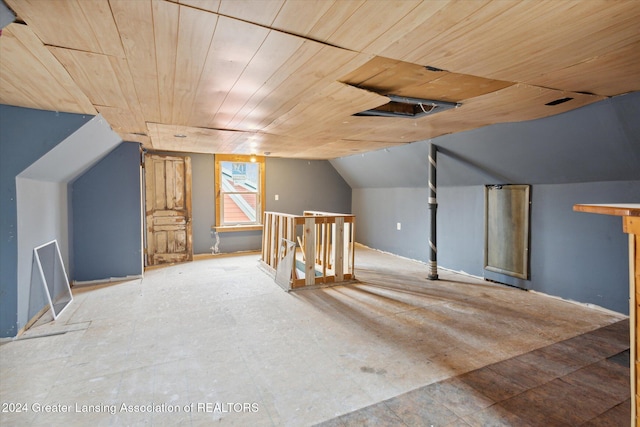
(219, 342)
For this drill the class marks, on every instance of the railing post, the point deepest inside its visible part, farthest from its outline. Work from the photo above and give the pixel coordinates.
(310, 251)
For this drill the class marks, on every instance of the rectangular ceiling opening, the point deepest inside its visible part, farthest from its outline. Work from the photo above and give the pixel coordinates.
(402, 106)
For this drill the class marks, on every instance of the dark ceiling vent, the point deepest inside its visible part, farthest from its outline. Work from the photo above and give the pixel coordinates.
(559, 101)
(401, 106)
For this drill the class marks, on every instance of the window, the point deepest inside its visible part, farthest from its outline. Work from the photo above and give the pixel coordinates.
(239, 192)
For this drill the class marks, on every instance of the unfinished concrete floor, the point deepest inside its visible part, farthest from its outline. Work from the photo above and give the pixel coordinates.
(219, 342)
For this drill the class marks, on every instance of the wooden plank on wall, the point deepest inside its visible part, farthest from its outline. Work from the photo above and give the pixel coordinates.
(266, 231)
(338, 249)
(309, 250)
(188, 178)
(273, 244)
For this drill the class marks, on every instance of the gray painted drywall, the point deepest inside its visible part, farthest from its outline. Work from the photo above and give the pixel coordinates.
(107, 217)
(598, 142)
(396, 167)
(43, 203)
(589, 155)
(42, 217)
(576, 256)
(300, 185)
(76, 154)
(378, 212)
(25, 135)
(305, 185)
(203, 202)
(461, 229)
(6, 15)
(240, 241)
(591, 248)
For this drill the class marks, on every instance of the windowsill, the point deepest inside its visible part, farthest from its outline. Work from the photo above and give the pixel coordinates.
(234, 228)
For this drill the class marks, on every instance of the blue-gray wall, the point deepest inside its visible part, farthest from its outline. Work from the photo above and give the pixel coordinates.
(107, 217)
(589, 155)
(576, 256)
(300, 185)
(378, 212)
(203, 202)
(305, 185)
(25, 135)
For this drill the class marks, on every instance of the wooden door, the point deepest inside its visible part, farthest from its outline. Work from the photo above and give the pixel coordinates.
(168, 209)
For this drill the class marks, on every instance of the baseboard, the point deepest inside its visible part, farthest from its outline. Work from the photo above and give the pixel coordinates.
(81, 283)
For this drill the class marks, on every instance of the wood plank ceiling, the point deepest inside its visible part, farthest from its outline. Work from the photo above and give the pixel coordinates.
(286, 77)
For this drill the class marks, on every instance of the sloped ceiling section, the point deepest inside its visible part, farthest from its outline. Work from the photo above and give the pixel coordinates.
(286, 77)
(600, 142)
(76, 154)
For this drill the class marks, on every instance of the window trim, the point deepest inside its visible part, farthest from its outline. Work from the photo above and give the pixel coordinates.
(260, 161)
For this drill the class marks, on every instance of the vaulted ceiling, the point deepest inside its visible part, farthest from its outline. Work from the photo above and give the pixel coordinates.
(286, 77)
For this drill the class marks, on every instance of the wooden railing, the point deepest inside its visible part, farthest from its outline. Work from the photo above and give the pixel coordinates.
(324, 252)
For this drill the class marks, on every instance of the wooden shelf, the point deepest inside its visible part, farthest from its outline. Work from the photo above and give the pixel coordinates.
(617, 209)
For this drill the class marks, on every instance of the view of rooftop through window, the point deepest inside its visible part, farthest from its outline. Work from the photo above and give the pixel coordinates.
(240, 192)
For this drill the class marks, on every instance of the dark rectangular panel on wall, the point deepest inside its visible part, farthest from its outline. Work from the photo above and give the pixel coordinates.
(507, 209)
